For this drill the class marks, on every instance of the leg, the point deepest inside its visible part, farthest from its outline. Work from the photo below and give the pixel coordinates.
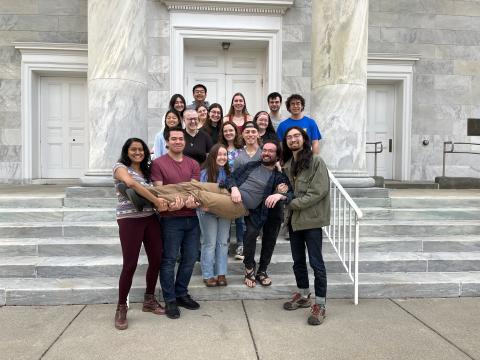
(131, 232)
(221, 249)
(153, 245)
(249, 251)
(271, 228)
(297, 246)
(189, 251)
(208, 227)
(313, 239)
(173, 235)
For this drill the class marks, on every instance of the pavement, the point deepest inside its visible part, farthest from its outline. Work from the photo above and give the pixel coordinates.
(248, 329)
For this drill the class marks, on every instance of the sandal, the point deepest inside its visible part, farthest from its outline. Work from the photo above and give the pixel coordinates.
(263, 278)
(250, 277)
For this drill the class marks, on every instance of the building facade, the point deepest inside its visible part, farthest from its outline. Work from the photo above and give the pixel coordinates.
(78, 77)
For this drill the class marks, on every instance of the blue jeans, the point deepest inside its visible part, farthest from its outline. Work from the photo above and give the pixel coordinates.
(312, 239)
(180, 233)
(215, 231)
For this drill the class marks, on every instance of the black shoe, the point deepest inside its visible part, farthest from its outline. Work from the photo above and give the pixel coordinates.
(171, 310)
(187, 302)
(137, 201)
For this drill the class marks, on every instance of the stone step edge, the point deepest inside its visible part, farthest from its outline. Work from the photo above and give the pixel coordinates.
(67, 261)
(105, 290)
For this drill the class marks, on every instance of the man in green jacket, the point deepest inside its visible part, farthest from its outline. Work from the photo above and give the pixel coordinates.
(307, 213)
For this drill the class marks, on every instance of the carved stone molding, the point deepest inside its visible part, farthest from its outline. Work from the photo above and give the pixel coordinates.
(260, 7)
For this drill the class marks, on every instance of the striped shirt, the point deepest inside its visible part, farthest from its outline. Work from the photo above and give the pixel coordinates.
(125, 208)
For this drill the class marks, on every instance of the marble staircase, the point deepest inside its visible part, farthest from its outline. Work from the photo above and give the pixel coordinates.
(63, 248)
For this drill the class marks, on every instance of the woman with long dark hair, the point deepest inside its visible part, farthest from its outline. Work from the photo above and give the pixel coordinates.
(215, 230)
(238, 112)
(172, 120)
(266, 131)
(137, 227)
(214, 121)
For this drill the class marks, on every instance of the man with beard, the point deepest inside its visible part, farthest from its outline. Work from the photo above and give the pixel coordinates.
(307, 213)
(255, 185)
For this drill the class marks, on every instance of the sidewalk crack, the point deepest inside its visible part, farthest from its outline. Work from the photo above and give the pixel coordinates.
(434, 330)
(250, 330)
(60, 335)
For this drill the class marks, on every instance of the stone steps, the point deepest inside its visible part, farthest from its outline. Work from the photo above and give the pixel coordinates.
(45, 291)
(100, 266)
(99, 246)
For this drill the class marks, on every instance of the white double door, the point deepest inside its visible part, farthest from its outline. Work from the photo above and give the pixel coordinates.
(63, 127)
(381, 128)
(225, 73)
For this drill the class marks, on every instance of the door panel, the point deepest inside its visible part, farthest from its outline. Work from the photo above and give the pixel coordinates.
(380, 127)
(63, 128)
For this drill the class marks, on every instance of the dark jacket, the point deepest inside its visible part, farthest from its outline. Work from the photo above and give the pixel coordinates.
(239, 176)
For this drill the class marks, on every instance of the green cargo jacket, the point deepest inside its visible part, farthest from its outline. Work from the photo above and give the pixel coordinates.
(310, 208)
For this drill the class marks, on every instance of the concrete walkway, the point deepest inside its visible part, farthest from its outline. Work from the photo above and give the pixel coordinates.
(253, 329)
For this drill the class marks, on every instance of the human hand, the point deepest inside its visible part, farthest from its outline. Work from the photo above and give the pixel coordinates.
(161, 204)
(176, 205)
(236, 196)
(282, 188)
(272, 200)
(191, 203)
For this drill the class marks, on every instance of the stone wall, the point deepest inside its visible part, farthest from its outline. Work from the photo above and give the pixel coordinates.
(446, 35)
(63, 21)
(158, 65)
(296, 54)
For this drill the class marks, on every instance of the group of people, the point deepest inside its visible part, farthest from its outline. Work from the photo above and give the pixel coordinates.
(207, 170)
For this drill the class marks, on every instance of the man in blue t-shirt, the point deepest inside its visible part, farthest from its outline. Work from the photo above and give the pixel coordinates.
(295, 105)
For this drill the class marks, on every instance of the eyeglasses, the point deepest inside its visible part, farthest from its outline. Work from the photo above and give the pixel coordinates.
(294, 136)
(192, 119)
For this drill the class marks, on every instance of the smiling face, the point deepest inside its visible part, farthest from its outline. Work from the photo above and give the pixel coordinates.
(296, 107)
(191, 120)
(229, 133)
(199, 94)
(238, 103)
(202, 114)
(222, 157)
(176, 142)
(171, 120)
(179, 105)
(274, 104)
(262, 121)
(269, 154)
(136, 153)
(215, 115)
(294, 139)
(250, 136)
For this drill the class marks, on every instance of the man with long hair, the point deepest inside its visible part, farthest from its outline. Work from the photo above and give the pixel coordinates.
(308, 212)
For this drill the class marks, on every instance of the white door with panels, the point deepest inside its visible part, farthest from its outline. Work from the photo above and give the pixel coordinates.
(63, 127)
(381, 128)
(225, 73)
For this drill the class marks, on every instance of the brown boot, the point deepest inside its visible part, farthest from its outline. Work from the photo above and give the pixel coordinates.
(121, 322)
(150, 304)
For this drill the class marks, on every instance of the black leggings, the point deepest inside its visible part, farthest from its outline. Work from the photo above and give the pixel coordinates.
(134, 231)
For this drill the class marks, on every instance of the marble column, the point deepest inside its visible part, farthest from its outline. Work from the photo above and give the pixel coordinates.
(117, 82)
(339, 86)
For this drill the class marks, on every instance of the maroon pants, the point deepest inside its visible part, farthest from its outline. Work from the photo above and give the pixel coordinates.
(134, 231)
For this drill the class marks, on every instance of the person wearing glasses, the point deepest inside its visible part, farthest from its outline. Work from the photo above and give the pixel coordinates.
(197, 141)
(295, 105)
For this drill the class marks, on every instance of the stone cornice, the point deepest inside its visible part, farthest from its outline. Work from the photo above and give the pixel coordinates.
(407, 59)
(42, 47)
(253, 7)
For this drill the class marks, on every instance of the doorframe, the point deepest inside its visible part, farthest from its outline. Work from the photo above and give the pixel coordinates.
(43, 59)
(225, 27)
(397, 70)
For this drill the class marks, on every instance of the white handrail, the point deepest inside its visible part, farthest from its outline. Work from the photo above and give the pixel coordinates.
(344, 208)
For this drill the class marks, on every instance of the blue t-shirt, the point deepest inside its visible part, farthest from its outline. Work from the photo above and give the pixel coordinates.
(306, 123)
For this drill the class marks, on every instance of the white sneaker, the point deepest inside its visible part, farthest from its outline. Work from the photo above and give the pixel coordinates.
(239, 253)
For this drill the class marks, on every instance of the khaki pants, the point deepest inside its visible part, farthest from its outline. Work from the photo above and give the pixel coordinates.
(209, 195)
